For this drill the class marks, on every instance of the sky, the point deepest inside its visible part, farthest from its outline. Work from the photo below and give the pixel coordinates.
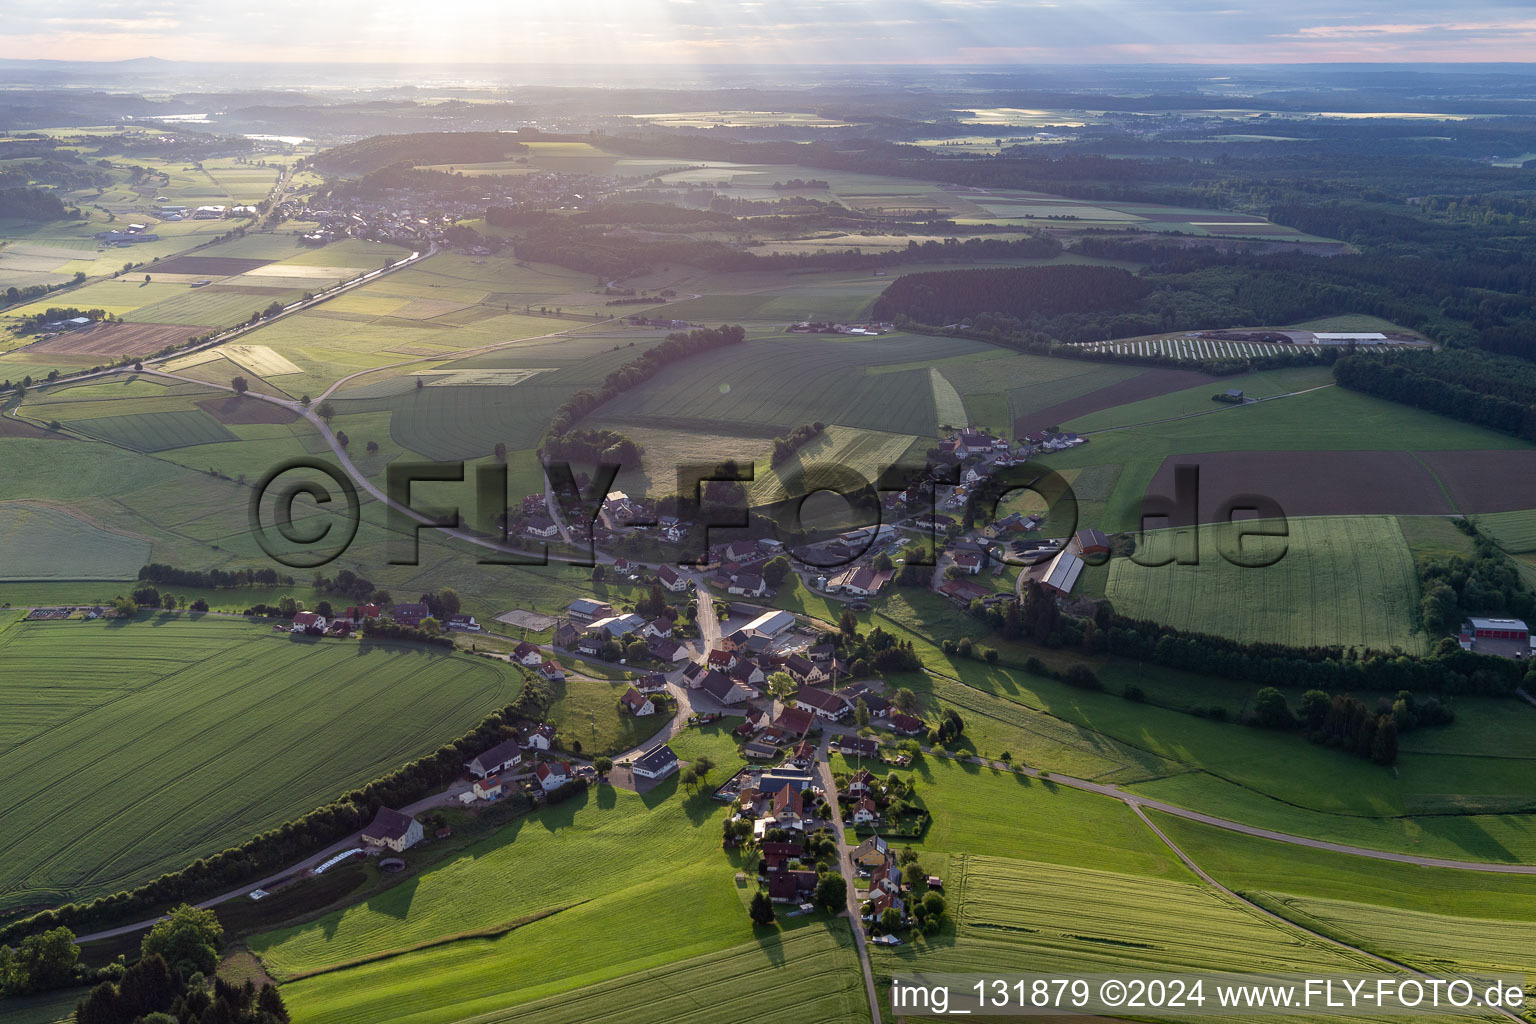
(773, 31)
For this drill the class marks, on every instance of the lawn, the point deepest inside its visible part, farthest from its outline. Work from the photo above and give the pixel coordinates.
(1337, 581)
(268, 722)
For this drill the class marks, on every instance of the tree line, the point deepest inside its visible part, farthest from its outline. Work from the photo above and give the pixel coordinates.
(637, 371)
(212, 579)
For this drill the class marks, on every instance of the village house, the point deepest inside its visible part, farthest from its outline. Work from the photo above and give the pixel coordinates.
(862, 783)
(540, 526)
(794, 722)
(668, 651)
(721, 660)
(527, 654)
(541, 737)
(651, 682)
(411, 614)
(392, 830)
(552, 775)
(748, 586)
(723, 689)
(776, 855)
(755, 722)
(637, 703)
(670, 580)
(906, 725)
(759, 750)
(804, 755)
(308, 622)
(823, 704)
(504, 755)
(658, 629)
(656, 763)
(488, 788)
(865, 812)
(804, 671)
(791, 886)
(870, 854)
(552, 671)
(858, 746)
(969, 561)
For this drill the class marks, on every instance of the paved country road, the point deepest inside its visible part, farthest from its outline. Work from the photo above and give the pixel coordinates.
(845, 865)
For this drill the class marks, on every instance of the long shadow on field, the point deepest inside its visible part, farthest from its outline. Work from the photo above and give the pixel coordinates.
(393, 902)
(1477, 843)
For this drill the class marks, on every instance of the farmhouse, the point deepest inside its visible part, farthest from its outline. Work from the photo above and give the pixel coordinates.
(656, 763)
(307, 622)
(392, 830)
(540, 526)
(411, 614)
(504, 755)
(748, 585)
(552, 775)
(668, 578)
(863, 581)
(637, 703)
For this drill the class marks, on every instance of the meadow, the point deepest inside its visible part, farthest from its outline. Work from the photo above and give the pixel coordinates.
(625, 862)
(1345, 581)
(267, 721)
(45, 543)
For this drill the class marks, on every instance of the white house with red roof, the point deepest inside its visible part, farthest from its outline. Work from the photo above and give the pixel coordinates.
(552, 775)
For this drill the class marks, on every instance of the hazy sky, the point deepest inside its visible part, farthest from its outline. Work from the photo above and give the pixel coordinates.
(773, 31)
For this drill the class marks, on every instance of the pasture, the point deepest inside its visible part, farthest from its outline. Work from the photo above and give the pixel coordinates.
(269, 721)
(1346, 581)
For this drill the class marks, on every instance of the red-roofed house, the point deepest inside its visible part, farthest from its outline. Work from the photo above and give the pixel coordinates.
(552, 776)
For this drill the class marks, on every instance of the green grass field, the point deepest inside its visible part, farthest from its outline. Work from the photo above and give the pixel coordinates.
(201, 733)
(1346, 581)
(590, 877)
(43, 543)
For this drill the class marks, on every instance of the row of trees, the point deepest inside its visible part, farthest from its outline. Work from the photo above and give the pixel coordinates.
(784, 448)
(1346, 722)
(212, 579)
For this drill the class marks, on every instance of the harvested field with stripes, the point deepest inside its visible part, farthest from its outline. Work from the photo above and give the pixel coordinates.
(265, 726)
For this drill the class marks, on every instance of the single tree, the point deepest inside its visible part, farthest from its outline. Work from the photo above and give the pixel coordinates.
(241, 385)
(761, 910)
(188, 939)
(831, 893)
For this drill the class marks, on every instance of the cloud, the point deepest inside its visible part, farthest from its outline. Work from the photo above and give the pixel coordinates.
(782, 31)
